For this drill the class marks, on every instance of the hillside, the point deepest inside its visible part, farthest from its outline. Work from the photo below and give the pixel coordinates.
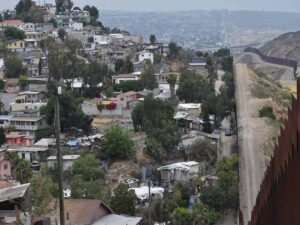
(284, 46)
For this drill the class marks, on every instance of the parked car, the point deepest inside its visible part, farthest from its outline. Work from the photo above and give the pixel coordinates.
(35, 165)
(228, 132)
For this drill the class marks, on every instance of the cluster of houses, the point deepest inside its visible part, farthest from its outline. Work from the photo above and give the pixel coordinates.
(23, 115)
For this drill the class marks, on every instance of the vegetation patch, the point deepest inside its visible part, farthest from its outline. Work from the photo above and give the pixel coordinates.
(267, 111)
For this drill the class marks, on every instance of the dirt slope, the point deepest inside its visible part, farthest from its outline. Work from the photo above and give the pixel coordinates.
(284, 46)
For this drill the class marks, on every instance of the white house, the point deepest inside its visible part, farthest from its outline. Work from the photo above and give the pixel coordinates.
(144, 56)
(5, 120)
(102, 39)
(76, 26)
(124, 77)
(30, 153)
(29, 27)
(142, 192)
(179, 172)
(68, 161)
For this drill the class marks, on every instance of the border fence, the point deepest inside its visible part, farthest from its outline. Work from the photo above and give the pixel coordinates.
(274, 60)
(278, 201)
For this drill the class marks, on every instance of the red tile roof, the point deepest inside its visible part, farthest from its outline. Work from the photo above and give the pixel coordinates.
(14, 22)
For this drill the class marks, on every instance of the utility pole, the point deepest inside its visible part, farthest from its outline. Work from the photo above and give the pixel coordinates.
(59, 160)
(149, 207)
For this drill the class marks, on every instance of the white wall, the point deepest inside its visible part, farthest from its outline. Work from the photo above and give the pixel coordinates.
(146, 56)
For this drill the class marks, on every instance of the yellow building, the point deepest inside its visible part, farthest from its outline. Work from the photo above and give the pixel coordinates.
(15, 45)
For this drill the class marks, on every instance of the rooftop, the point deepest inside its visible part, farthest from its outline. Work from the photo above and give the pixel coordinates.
(13, 148)
(14, 22)
(126, 76)
(13, 192)
(45, 142)
(186, 166)
(84, 211)
(186, 106)
(143, 192)
(65, 157)
(114, 219)
(27, 118)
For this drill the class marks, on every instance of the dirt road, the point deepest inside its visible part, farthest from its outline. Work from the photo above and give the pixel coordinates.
(250, 155)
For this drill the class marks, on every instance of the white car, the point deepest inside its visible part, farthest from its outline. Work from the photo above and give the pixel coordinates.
(67, 193)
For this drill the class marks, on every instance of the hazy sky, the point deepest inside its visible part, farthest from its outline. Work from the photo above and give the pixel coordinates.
(176, 5)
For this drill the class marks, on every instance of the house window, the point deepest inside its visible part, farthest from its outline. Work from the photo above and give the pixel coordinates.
(5, 167)
(23, 155)
(122, 99)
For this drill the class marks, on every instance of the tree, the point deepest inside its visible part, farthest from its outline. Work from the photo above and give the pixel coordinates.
(13, 33)
(94, 12)
(193, 87)
(123, 200)
(34, 15)
(130, 85)
(207, 127)
(2, 136)
(81, 189)
(14, 67)
(71, 114)
(172, 79)
(22, 82)
(23, 7)
(63, 5)
(174, 49)
(128, 65)
(116, 143)
(88, 167)
(213, 197)
(149, 78)
(43, 194)
(62, 34)
(152, 39)
(181, 216)
(2, 85)
(202, 215)
(203, 149)
(155, 118)
(227, 64)
(22, 169)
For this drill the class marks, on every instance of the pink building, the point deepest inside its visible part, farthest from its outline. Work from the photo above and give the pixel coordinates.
(5, 168)
(127, 99)
(16, 138)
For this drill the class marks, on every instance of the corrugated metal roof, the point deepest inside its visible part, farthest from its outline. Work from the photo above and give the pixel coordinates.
(13, 192)
(114, 219)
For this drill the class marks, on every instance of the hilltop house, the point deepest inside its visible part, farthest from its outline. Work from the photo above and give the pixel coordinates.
(127, 99)
(28, 100)
(14, 23)
(178, 172)
(5, 168)
(16, 45)
(89, 212)
(68, 161)
(118, 79)
(144, 56)
(16, 138)
(15, 204)
(30, 153)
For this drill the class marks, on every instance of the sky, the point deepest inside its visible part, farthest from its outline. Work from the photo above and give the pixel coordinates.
(179, 5)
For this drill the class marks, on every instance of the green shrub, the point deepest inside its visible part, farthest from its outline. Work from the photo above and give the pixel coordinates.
(267, 111)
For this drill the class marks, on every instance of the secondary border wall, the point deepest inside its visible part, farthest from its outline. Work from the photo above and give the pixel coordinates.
(278, 201)
(274, 60)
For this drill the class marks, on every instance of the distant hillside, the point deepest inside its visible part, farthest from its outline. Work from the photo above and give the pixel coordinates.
(285, 46)
(203, 29)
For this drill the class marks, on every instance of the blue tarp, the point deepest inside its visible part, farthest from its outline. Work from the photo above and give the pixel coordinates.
(72, 143)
